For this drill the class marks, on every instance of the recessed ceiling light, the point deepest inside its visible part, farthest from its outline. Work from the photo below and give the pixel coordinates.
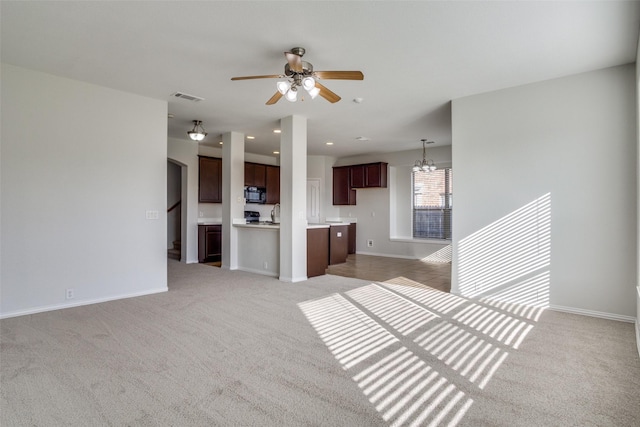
(220, 143)
(277, 131)
(276, 152)
(251, 137)
(329, 143)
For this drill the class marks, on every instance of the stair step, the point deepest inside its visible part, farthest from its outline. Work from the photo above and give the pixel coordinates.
(173, 254)
(177, 244)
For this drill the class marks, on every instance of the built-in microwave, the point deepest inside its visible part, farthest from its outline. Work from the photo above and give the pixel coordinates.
(255, 194)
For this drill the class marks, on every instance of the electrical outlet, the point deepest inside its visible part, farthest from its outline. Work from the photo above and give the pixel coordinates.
(373, 214)
(370, 243)
(201, 214)
(69, 293)
(266, 265)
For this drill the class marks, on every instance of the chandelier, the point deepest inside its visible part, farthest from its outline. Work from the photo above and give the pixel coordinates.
(424, 165)
(197, 133)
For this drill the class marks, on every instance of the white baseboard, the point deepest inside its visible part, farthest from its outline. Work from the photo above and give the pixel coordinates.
(293, 279)
(637, 337)
(79, 303)
(257, 271)
(638, 318)
(591, 313)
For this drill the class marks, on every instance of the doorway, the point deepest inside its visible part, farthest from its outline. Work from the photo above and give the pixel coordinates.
(174, 210)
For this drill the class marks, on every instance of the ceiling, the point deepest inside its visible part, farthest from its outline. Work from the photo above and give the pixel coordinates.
(416, 57)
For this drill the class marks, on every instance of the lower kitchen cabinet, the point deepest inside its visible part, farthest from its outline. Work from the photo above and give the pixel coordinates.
(352, 238)
(338, 244)
(209, 243)
(317, 251)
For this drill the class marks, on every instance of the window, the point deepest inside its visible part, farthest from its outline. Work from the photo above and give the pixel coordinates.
(432, 204)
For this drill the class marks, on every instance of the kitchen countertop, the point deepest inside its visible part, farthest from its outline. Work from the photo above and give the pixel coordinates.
(209, 221)
(263, 225)
(270, 226)
(318, 226)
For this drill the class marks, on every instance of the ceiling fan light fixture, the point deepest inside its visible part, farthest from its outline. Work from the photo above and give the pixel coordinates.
(292, 95)
(283, 86)
(197, 133)
(313, 92)
(308, 83)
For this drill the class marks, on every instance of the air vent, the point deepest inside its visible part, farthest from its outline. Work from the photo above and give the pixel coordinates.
(186, 96)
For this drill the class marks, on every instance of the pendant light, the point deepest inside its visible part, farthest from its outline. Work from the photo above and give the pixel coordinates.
(197, 133)
(424, 165)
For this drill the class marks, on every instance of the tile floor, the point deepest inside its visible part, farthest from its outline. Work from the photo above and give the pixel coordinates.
(368, 267)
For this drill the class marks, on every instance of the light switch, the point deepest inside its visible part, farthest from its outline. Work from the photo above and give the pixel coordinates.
(152, 215)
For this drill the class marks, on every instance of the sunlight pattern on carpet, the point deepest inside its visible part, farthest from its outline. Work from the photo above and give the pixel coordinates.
(418, 354)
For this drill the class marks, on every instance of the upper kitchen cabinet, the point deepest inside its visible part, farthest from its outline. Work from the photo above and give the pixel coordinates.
(370, 175)
(343, 193)
(255, 175)
(210, 180)
(272, 184)
(347, 178)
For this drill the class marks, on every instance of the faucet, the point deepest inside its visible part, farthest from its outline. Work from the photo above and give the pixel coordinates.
(275, 213)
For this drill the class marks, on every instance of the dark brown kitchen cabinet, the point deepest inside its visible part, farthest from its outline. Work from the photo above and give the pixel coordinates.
(356, 176)
(343, 193)
(338, 244)
(272, 184)
(209, 243)
(370, 175)
(210, 180)
(317, 251)
(352, 238)
(255, 175)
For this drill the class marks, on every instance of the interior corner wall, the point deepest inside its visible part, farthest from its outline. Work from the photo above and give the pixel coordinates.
(81, 166)
(573, 141)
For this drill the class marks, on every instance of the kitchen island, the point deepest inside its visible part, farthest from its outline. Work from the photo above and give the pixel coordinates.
(259, 247)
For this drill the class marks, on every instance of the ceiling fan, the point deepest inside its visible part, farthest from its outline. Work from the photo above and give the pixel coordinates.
(299, 73)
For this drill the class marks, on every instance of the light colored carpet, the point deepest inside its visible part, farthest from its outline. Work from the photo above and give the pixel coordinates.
(232, 348)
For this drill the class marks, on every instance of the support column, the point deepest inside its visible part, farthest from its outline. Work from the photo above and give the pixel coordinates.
(293, 199)
(232, 195)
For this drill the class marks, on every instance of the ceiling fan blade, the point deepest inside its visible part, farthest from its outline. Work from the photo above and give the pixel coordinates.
(295, 63)
(272, 76)
(340, 75)
(275, 98)
(327, 94)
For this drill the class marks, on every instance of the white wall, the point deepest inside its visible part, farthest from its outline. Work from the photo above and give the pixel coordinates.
(638, 196)
(564, 148)
(81, 165)
(384, 214)
(320, 167)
